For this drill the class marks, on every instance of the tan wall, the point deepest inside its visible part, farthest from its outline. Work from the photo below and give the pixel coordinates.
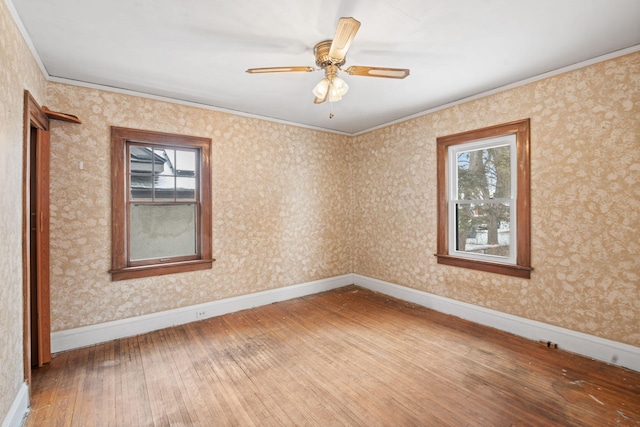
(18, 71)
(280, 207)
(585, 167)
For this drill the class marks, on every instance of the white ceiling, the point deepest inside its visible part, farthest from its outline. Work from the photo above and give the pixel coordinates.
(198, 50)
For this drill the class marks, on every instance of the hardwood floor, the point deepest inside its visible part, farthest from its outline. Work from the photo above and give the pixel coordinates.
(344, 357)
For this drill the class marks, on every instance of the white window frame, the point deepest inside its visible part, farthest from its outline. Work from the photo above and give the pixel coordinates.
(452, 185)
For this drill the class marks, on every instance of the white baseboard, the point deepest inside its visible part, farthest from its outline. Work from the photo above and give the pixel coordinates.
(19, 408)
(591, 346)
(94, 334)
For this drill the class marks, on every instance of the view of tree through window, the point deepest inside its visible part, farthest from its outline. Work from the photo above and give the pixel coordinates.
(483, 201)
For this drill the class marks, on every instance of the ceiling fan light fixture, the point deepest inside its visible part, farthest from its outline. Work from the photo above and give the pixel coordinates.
(320, 90)
(340, 86)
(332, 89)
(334, 95)
(337, 89)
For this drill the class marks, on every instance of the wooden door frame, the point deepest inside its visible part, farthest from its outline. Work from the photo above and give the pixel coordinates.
(35, 118)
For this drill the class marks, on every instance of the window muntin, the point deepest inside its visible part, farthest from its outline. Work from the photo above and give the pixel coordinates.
(481, 201)
(161, 203)
(466, 198)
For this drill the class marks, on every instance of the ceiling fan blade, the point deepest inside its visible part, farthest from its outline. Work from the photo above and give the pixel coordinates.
(391, 73)
(346, 31)
(279, 70)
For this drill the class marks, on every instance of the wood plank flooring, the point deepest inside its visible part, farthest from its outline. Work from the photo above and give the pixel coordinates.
(348, 357)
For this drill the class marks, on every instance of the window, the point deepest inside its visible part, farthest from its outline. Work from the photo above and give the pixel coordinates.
(484, 201)
(161, 203)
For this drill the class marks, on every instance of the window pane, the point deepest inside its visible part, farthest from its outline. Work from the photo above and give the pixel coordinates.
(140, 159)
(141, 187)
(164, 188)
(185, 163)
(140, 178)
(163, 160)
(162, 231)
(484, 174)
(483, 228)
(185, 189)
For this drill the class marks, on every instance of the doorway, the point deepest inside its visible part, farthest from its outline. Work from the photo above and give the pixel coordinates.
(36, 306)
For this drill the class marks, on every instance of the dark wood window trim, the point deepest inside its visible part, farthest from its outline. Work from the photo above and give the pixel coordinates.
(121, 267)
(522, 267)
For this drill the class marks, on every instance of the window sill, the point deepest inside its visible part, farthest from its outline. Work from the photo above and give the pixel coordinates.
(491, 267)
(160, 269)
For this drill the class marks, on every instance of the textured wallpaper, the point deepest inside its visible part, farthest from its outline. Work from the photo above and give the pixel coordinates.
(585, 195)
(280, 207)
(18, 71)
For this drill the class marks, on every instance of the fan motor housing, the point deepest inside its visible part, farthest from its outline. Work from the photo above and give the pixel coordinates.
(321, 51)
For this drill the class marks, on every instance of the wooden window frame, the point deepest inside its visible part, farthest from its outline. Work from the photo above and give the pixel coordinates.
(522, 267)
(121, 267)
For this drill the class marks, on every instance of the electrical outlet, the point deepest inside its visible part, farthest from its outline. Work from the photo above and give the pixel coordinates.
(201, 314)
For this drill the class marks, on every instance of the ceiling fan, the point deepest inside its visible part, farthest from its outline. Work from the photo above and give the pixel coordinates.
(330, 57)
